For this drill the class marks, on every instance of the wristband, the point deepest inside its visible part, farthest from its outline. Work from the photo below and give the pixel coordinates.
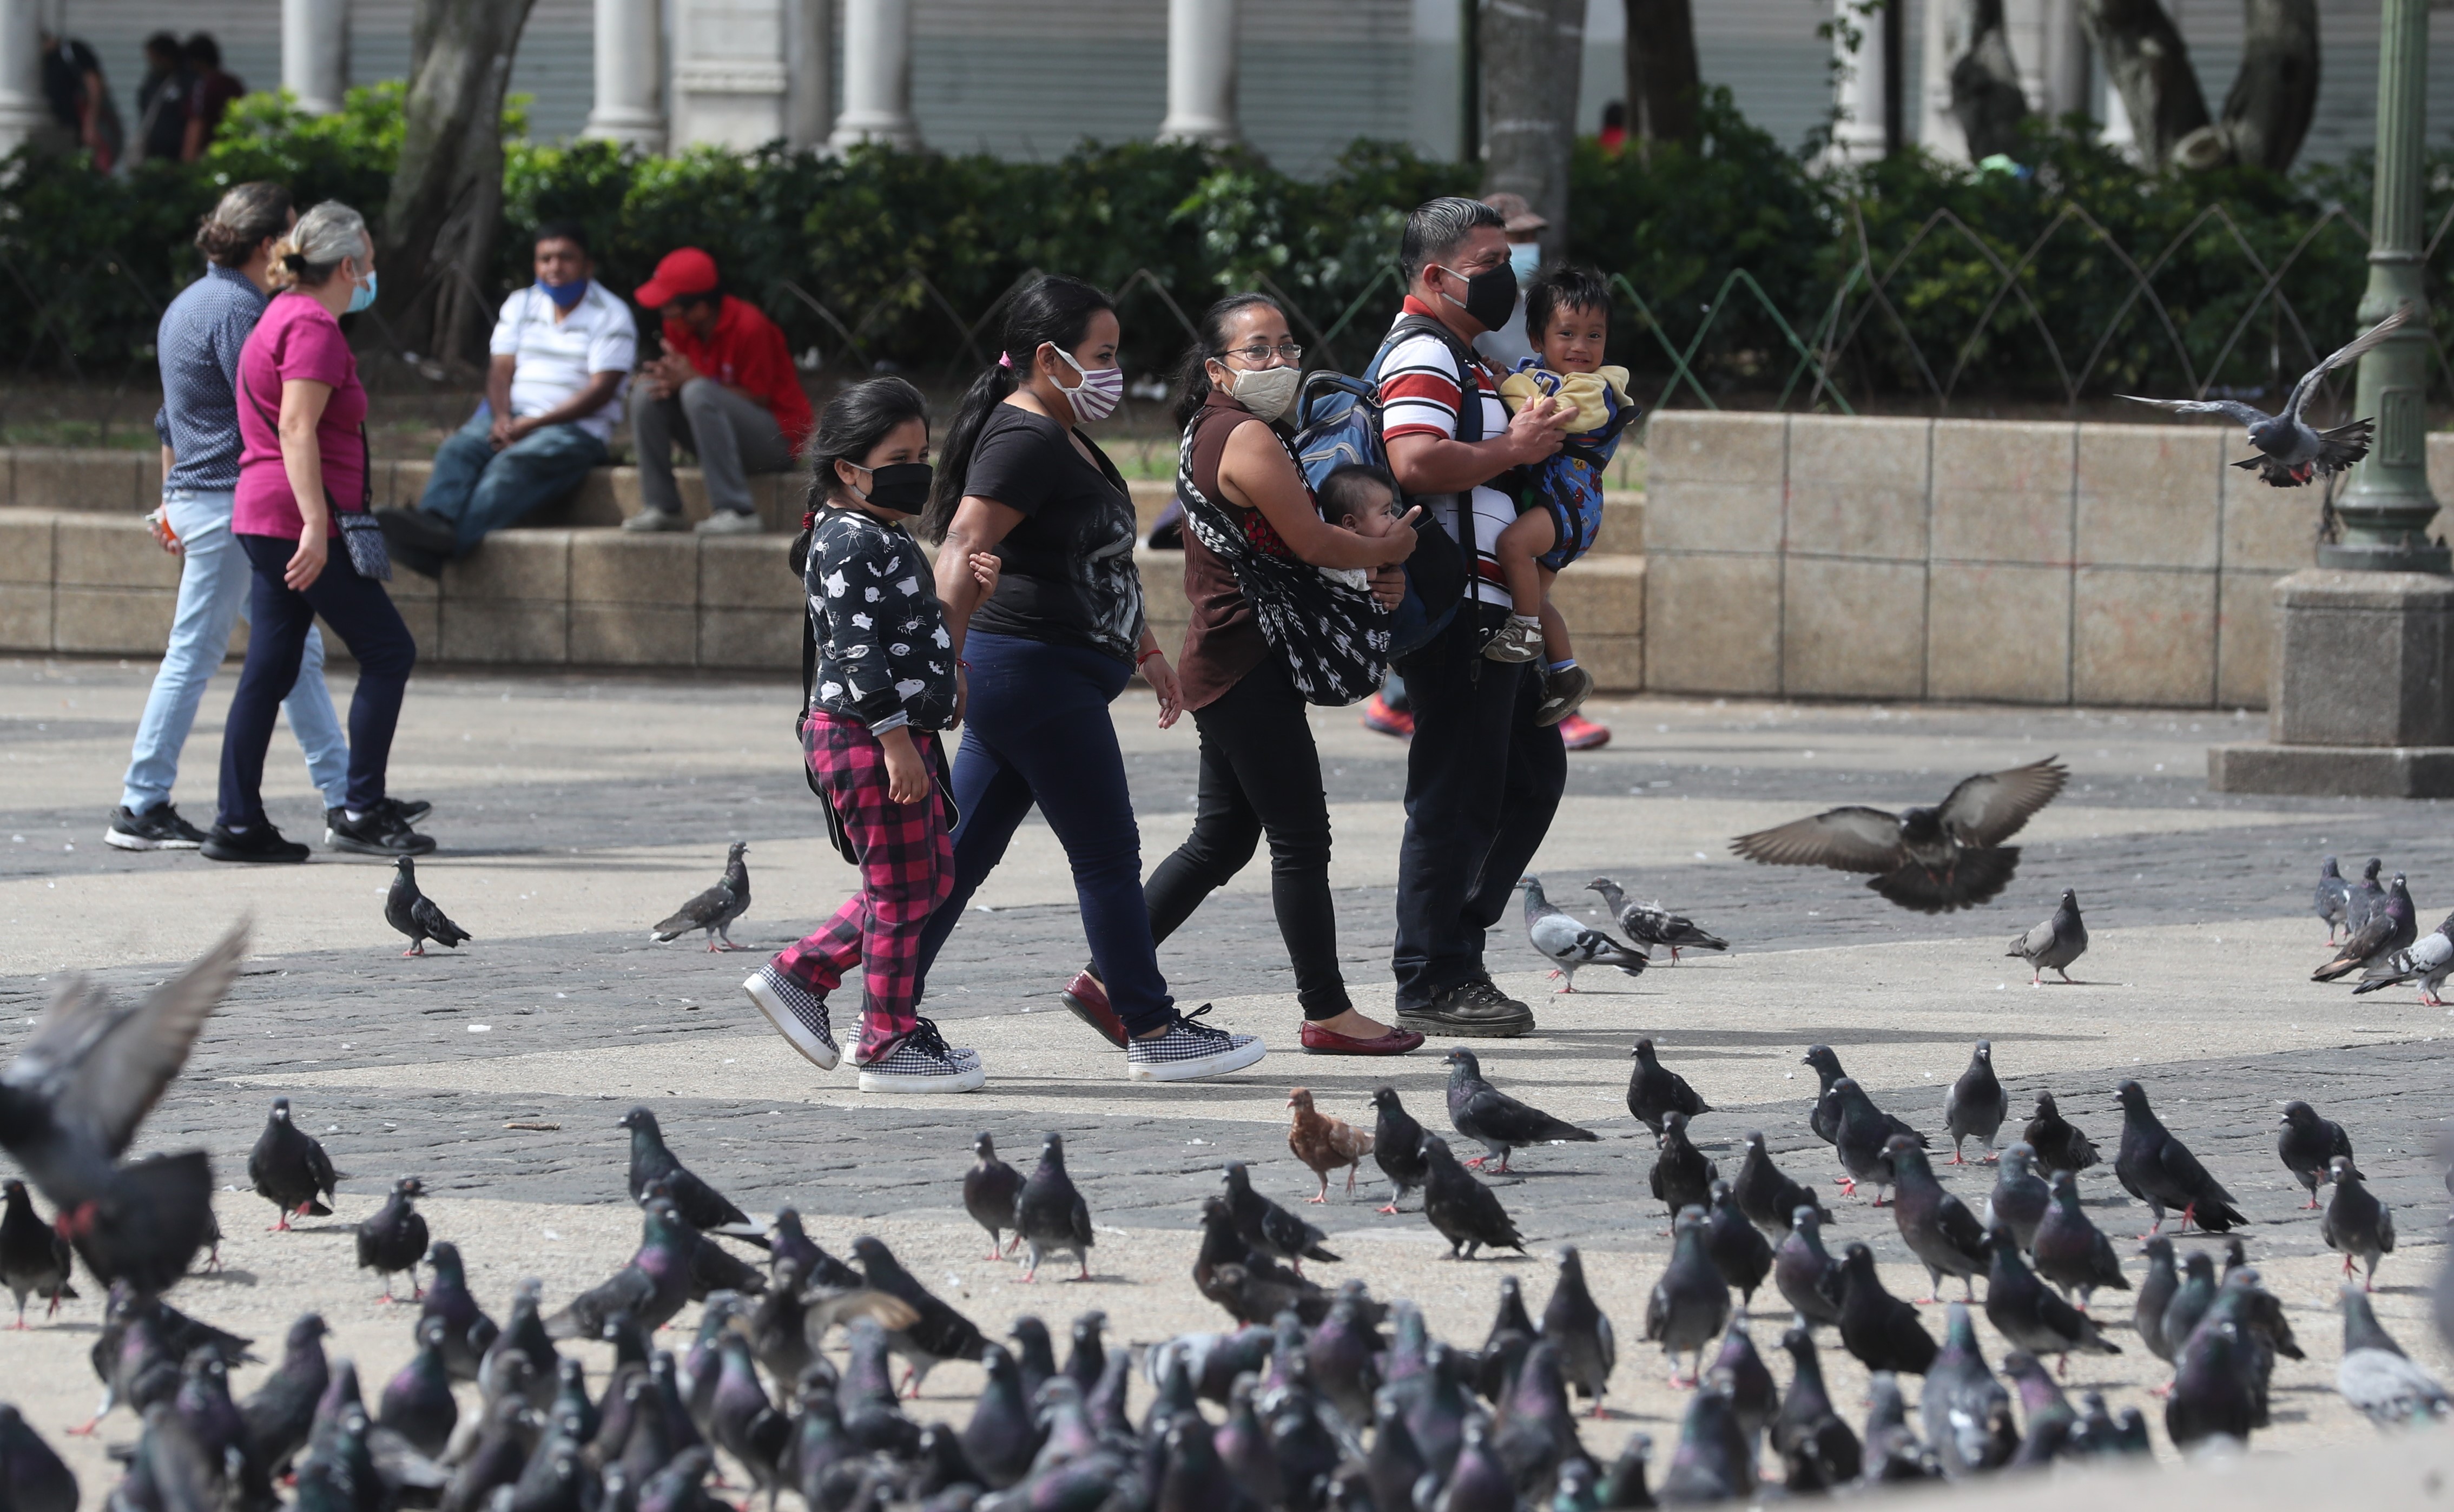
(1148, 655)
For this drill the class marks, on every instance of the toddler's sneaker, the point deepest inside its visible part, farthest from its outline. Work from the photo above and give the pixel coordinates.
(796, 1012)
(1189, 1051)
(1563, 692)
(920, 1061)
(1521, 639)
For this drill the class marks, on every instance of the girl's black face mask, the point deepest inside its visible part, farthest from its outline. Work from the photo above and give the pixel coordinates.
(898, 488)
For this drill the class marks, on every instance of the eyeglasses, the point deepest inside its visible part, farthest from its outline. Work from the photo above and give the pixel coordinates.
(1259, 353)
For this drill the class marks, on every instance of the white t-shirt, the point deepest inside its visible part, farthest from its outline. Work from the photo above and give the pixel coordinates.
(554, 359)
(1419, 395)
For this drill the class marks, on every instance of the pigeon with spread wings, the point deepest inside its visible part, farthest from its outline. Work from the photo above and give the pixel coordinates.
(2290, 452)
(1933, 861)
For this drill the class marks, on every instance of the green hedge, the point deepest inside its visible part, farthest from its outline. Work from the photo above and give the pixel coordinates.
(910, 249)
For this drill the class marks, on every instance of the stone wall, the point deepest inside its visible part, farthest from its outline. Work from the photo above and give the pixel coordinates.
(2022, 562)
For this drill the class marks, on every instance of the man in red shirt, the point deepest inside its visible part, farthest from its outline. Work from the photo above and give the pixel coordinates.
(725, 388)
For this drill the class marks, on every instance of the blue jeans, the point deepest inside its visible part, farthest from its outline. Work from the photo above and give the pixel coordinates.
(362, 614)
(480, 489)
(1036, 731)
(212, 596)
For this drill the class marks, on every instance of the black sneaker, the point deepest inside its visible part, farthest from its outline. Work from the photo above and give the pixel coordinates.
(158, 827)
(378, 830)
(258, 842)
(410, 813)
(1475, 1010)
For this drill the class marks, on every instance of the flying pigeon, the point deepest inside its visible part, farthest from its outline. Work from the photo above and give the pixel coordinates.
(1691, 1301)
(2054, 944)
(1325, 1144)
(1653, 1091)
(392, 1238)
(2332, 900)
(1396, 1145)
(1769, 1198)
(34, 1260)
(2290, 453)
(2426, 960)
(2377, 1379)
(1467, 1212)
(2307, 1146)
(290, 1168)
(2357, 1224)
(2391, 926)
(2020, 1197)
(990, 1188)
(715, 910)
(1494, 1119)
(2366, 894)
(1051, 1215)
(2160, 1170)
(1977, 1104)
(1650, 924)
(1932, 860)
(1568, 945)
(2059, 1145)
(415, 915)
(938, 1333)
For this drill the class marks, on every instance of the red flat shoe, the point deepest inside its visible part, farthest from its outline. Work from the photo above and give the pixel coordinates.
(1579, 733)
(1319, 1042)
(1088, 1000)
(1379, 715)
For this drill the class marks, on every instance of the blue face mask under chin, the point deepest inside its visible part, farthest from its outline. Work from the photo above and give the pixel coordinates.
(1525, 258)
(362, 295)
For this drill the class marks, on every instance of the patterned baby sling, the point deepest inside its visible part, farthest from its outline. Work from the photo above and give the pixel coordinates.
(1334, 637)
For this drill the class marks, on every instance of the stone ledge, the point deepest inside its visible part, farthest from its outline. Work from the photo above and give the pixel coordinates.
(2333, 772)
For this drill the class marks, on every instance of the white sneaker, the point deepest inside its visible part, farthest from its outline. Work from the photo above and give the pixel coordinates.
(650, 522)
(1189, 1051)
(730, 522)
(922, 1061)
(796, 1012)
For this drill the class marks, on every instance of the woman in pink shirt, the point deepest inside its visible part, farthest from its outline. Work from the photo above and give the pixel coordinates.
(302, 424)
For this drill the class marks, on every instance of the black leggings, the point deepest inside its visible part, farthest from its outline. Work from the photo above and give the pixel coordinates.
(1260, 772)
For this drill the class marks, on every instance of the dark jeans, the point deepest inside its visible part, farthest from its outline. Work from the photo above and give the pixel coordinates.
(1036, 732)
(1260, 773)
(1482, 780)
(478, 491)
(362, 614)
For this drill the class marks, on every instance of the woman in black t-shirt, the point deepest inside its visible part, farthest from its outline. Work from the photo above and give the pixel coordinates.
(1046, 652)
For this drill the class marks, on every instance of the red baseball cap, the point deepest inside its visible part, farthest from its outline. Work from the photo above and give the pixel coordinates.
(684, 270)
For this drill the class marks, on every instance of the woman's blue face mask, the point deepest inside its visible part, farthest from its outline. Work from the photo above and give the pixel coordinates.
(362, 295)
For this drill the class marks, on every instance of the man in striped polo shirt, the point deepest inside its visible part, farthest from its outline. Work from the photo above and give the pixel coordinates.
(1483, 777)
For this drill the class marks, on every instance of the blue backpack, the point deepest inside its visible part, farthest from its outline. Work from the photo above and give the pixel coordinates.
(1337, 423)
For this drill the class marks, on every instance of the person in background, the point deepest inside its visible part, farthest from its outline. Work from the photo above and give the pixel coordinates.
(1614, 133)
(1507, 346)
(212, 96)
(725, 388)
(79, 98)
(562, 351)
(162, 101)
(302, 418)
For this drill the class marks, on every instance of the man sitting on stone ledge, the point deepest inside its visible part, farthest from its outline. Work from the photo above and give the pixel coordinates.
(725, 388)
(563, 349)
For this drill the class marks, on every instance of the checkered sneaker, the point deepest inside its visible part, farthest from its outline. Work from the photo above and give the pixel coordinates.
(922, 1061)
(796, 1012)
(1189, 1051)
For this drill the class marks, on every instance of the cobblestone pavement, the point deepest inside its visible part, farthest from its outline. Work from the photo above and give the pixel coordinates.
(575, 810)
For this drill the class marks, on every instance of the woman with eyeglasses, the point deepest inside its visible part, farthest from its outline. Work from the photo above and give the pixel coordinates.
(1260, 773)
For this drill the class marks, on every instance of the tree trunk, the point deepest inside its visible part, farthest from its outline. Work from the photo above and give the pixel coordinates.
(1531, 54)
(1665, 87)
(2148, 63)
(1986, 94)
(2274, 95)
(447, 196)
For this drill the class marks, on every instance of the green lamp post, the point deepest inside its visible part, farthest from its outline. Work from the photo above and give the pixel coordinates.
(2386, 510)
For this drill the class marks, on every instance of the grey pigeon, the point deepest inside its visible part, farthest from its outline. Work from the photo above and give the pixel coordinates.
(1977, 1104)
(2332, 901)
(2159, 1170)
(715, 910)
(2377, 1379)
(1935, 1224)
(2156, 1291)
(415, 915)
(2357, 1224)
(2190, 1302)
(289, 1169)
(1739, 1369)
(282, 1410)
(1711, 1463)
(1879, 1328)
(1267, 1226)
(1253, 1287)
(1035, 1354)
(1467, 1212)
(1396, 1145)
(393, 1239)
(1932, 860)
(1742, 1255)
(1817, 1450)
(1494, 1119)
(1576, 1326)
(32, 1477)
(1053, 1216)
(467, 1332)
(2054, 944)
(2308, 1146)
(417, 1402)
(1650, 924)
(745, 1423)
(700, 1205)
(1965, 1410)
(1864, 1135)
(34, 1260)
(1653, 1092)
(2023, 1311)
(1806, 1275)
(2428, 960)
(1568, 945)
(1343, 1356)
(2364, 896)
(2214, 1391)
(1893, 1453)
(1824, 1117)
(2098, 1434)
(990, 1188)
(1690, 1304)
(2391, 926)
(2056, 1142)
(2020, 1197)
(523, 1336)
(1769, 1198)
(2051, 1421)
(1002, 1436)
(2071, 1251)
(2290, 453)
(936, 1333)
(1683, 1174)
(650, 1290)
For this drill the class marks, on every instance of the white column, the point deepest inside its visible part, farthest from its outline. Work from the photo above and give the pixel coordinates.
(24, 116)
(876, 75)
(315, 52)
(1200, 72)
(1858, 132)
(628, 108)
(2065, 61)
(1937, 130)
(808, 68)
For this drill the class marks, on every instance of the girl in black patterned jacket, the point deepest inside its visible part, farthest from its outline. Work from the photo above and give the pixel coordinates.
(887, 684)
